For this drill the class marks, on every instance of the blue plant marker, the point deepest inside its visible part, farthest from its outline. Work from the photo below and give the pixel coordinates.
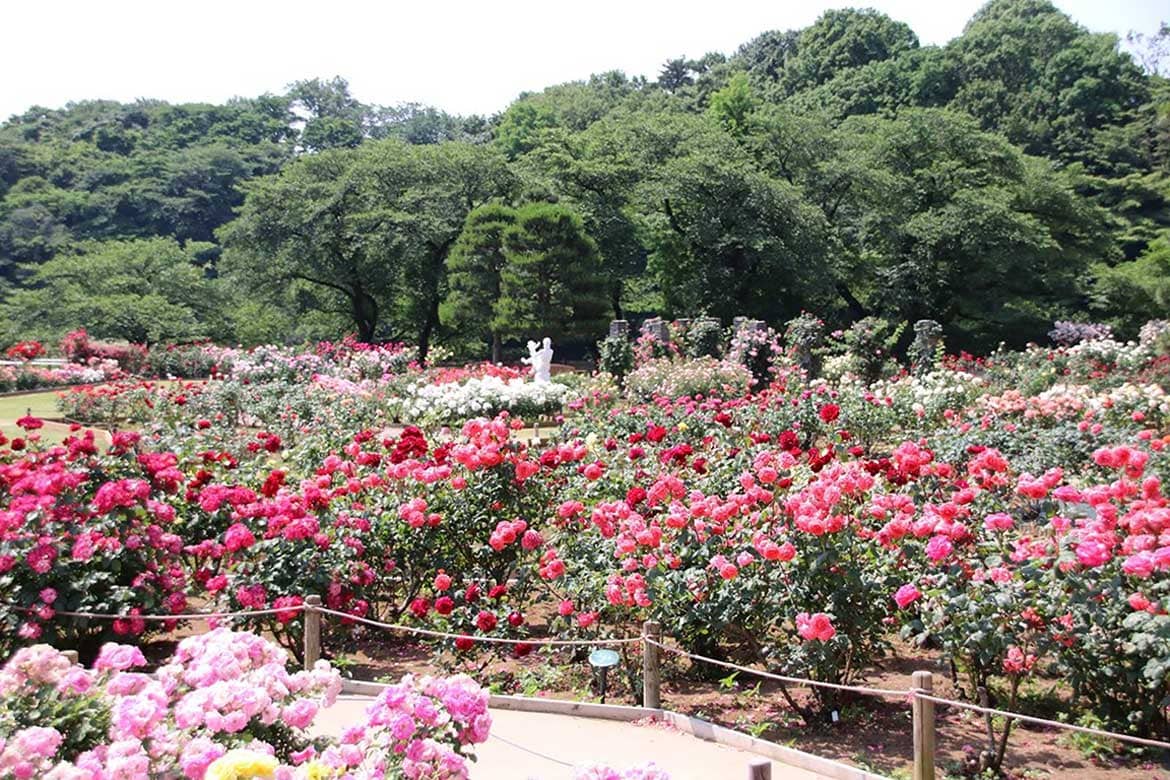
(601, 660)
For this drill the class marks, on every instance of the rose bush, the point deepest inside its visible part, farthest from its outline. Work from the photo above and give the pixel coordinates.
(224, 705)
(1009, 510)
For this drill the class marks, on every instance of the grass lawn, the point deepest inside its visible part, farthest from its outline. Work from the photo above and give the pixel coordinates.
(53, 433)
(43, 404)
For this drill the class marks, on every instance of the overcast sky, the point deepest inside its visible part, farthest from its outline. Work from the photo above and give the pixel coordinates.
(464, 57)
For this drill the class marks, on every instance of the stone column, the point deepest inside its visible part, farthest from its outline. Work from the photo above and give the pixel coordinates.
(924, 350)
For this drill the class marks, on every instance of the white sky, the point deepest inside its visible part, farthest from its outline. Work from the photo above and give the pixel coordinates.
(464, 57)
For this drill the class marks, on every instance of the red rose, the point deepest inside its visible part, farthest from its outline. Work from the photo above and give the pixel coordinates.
(485, 621)
(30, 423)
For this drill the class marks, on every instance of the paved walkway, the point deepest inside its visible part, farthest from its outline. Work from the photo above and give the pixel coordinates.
(529, 745)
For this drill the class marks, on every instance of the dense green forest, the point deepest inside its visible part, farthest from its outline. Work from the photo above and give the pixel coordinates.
(1017, 175)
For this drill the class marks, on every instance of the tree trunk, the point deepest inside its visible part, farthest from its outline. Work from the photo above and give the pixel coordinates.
(497, 347)
(427, 330)
(365, 314)
(855, 308)
(615, 294)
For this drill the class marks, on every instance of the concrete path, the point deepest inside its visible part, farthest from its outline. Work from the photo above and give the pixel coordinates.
(529, 745)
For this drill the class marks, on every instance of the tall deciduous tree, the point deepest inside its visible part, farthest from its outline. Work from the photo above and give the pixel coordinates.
(144, 290)
(1024, 68)
(420, 199)
(766, 56)
(725, 236)
(333, 118)
(947, 222)
(733, 105)
(843, 39)
(1130, 293)
(311, 225)
(369, 227)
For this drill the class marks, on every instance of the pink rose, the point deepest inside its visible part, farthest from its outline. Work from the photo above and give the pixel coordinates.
(300, 714)
(1138, 602)
(998, 522)
(115, 657)
(238, 537)
(815, 626)
(907, 595)
(1092, 552)
(1139, 564)
(938, 548)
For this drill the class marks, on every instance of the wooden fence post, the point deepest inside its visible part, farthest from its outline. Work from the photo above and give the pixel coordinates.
(923, 728)
(651, 673)
(312, 630)
(760, 769)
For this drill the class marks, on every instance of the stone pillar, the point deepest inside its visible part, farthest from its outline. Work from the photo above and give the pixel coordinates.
(924, 350)
(657, 328)
(619, 329)
(806, 336)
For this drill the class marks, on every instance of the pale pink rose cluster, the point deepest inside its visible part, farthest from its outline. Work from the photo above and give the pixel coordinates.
(226, 681)
(31, 668)
(26, 753)
(216, 689)
(422, 725)
(215, 694)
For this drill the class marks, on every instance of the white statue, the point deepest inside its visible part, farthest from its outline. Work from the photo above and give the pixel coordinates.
(540, 360)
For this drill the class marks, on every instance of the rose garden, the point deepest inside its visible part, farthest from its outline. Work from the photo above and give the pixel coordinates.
(790, 501)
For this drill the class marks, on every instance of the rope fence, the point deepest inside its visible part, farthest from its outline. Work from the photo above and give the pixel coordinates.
(920, 695)
(535, 642)
(177, 616)
(896, 693)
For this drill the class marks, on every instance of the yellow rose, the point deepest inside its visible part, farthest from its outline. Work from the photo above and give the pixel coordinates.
(682, 426)
(242, 765)
(315, 770)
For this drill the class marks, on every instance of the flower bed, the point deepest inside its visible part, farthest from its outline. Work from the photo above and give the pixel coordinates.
(481, 397)
(1009, 513)
(29, 376)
